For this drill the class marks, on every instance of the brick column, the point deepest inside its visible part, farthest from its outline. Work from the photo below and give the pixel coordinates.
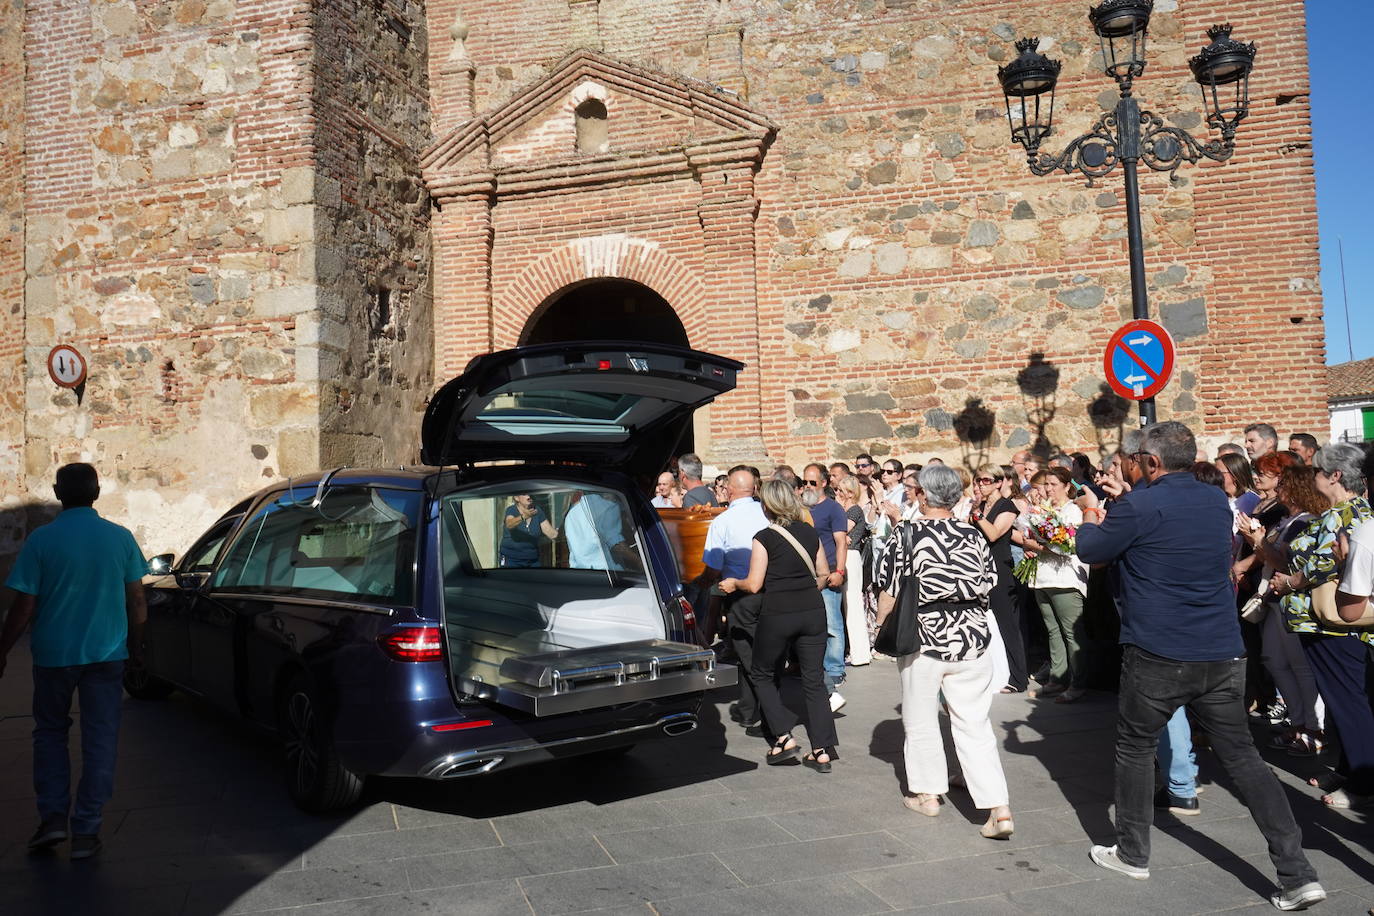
(452, 98)
(462, 279)
(727, 212)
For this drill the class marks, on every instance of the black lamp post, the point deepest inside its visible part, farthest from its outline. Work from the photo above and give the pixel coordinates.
(1128, 134)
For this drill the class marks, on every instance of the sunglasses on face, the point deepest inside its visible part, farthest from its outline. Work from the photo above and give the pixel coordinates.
(861, 466)
(987, 480)
(812, 483)
(890, 471)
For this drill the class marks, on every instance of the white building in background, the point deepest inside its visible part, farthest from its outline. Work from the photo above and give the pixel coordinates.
(1350, 400)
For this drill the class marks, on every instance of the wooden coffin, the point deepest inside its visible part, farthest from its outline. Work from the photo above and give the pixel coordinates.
(687, 531)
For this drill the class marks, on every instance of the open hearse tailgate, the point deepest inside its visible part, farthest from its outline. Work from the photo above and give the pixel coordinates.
(546, 683)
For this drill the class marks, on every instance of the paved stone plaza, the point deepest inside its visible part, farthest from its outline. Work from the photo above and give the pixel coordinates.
(201, 824)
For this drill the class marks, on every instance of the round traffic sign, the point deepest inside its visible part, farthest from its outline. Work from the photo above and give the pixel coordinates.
(66, 366)
(1139, 360)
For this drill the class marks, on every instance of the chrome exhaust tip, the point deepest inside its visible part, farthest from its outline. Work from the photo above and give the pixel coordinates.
(473, 767)
(680, 726)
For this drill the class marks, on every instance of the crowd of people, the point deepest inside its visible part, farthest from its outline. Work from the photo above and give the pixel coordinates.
(1238, 584)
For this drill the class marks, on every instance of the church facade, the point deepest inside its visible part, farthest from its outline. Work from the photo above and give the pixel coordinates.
(273, 228)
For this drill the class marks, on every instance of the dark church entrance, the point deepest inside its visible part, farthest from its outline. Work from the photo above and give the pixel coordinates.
(612, 310)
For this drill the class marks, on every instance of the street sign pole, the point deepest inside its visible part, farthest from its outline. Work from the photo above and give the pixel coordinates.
(1140, 299)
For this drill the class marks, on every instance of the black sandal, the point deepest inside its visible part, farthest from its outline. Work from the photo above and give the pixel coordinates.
(784, 753)
(821, 766)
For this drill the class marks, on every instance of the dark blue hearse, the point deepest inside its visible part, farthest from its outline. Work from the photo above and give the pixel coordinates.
(382, 622)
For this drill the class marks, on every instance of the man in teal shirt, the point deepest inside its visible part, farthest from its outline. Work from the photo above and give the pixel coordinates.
(78, 578)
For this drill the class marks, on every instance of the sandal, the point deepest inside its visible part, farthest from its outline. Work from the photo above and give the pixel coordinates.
(1339, 798)
(923, 803)
(814, 761)
(784, 750)
(998, 828)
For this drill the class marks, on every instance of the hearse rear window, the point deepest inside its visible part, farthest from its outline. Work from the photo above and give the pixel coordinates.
(356, 543)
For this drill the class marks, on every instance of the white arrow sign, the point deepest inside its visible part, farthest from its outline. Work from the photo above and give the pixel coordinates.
(1141, 341)
(1135, 379)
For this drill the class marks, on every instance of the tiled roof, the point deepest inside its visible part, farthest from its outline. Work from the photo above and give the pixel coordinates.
(1350, 380)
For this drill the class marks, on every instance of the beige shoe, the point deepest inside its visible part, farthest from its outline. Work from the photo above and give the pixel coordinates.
(998, 828)
(923, 803)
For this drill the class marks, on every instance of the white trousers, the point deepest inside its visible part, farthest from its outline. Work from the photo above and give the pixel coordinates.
(968, 687)
(855, 614)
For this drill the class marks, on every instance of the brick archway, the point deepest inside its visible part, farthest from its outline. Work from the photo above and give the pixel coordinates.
(617, 256)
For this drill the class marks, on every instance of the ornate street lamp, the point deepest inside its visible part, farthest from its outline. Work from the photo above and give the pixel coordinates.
(1128, 134)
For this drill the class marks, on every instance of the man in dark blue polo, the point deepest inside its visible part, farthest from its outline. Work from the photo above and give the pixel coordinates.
(1171, 542)
(78, 578)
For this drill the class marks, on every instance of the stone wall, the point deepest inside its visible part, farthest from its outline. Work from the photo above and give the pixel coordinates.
(918, 291)
(12, 497)
(218, 190)
(374, 325)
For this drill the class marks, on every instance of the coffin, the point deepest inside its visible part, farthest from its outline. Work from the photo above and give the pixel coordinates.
(686, 530)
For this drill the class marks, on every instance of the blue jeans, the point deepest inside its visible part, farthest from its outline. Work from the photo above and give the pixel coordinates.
(1152, 688)
(834, 633)
(101, 689)
(1176, 757)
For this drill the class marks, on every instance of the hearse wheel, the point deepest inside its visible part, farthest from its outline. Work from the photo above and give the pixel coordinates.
(315, 779)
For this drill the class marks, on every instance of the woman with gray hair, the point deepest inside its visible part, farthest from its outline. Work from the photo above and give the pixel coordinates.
(1339, 657)
(944, 570)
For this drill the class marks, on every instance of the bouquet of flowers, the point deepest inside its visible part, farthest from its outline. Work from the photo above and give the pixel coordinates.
(1047, 526)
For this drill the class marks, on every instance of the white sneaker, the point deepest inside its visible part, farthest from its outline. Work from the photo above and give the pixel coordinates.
(1106, 857)
(836, 702)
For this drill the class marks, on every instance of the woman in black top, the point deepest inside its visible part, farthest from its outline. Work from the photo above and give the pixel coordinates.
(993, 513)
(793, 615)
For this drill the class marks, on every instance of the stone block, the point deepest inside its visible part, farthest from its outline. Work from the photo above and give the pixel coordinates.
(1185, 319)
(890, 258)
(857, 264)
(298, 452)
(297, 186)
(982, 233)
(857, 426)
(284, 300)
(931, 257)
(1082, 297)
(858, 402)
(293, 224)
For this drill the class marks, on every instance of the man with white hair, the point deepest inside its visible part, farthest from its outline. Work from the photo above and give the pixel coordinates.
(694, 489)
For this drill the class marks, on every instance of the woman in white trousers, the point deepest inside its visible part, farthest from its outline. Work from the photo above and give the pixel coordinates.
(848, 494)
(949, 564)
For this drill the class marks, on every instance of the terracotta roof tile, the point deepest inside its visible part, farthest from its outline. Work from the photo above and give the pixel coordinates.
(1350, 380)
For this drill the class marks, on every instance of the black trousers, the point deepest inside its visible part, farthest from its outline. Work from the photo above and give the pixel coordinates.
(805, 632)
(742, 616)
(1008, 615)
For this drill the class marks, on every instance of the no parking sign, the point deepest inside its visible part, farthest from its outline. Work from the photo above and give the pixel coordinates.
(1139, 360)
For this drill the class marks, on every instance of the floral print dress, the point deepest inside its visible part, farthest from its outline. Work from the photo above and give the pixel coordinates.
(1311, 554)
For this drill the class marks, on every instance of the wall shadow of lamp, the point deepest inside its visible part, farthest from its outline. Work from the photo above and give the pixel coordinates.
(975, 426)
(1038, 382)
(1108, 412)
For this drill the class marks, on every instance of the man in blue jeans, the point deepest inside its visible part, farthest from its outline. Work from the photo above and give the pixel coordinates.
(833, 527)
(78, 578)
(1171, 542)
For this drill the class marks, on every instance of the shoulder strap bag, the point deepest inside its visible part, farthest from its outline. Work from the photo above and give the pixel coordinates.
(1324, 609)
(796, 545)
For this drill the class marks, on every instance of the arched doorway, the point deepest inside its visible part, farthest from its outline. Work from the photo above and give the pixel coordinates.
(609, 309)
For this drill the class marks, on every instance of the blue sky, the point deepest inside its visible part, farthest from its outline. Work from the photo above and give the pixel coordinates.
(1342, 136)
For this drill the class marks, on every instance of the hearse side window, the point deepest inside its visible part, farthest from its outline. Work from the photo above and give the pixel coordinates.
(359, 542)
(510, 526)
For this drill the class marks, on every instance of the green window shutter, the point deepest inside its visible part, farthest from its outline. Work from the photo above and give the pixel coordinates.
(1367, 414)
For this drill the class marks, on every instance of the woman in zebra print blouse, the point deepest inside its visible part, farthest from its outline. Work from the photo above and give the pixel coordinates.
(950, 565)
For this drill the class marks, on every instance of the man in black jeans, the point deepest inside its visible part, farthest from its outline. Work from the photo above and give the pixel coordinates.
(1171, 541)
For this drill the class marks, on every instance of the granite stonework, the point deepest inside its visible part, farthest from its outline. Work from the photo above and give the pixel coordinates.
(223, 213)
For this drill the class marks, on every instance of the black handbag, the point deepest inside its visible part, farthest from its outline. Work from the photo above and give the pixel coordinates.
(900, 633)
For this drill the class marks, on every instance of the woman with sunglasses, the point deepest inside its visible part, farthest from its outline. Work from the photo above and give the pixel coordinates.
(994, 513)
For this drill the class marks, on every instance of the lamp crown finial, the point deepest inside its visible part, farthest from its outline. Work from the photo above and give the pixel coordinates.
(1027, 45)
(1222, 31)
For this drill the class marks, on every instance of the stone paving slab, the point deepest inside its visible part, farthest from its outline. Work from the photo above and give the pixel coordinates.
(200, 824)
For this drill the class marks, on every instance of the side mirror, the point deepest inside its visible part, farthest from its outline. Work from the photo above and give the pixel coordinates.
(161, 565)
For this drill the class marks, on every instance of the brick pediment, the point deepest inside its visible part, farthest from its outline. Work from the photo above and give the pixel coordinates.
(655, 123)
